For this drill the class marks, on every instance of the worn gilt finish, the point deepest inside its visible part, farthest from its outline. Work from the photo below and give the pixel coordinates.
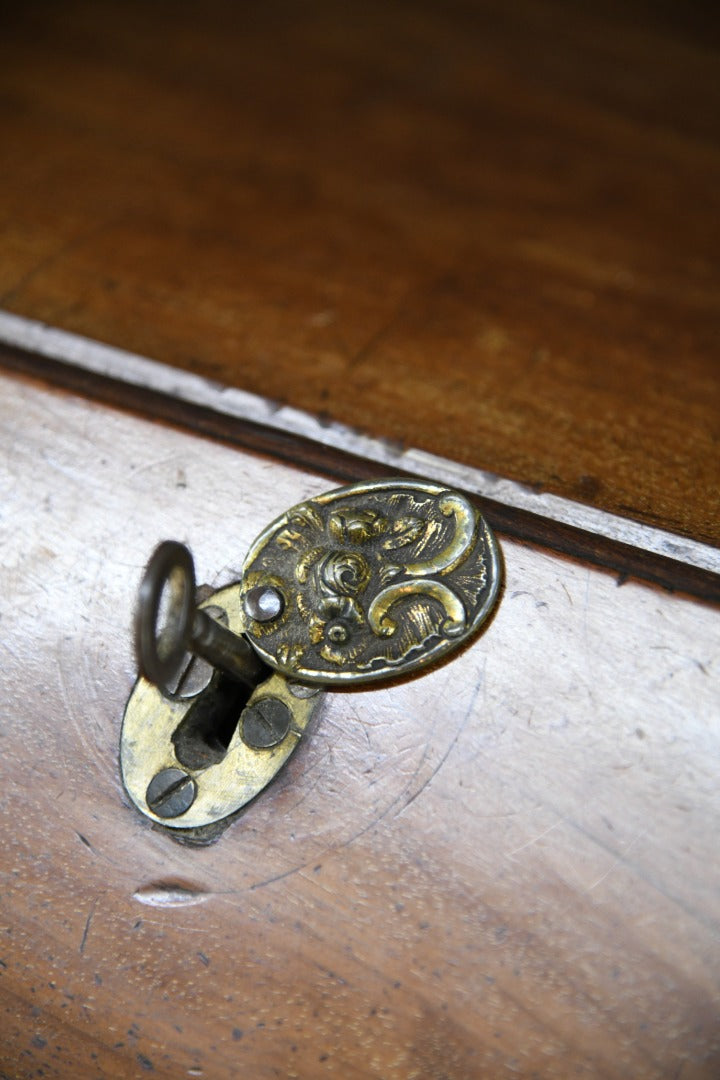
(379, 579)
(356, 585)
(149, 743)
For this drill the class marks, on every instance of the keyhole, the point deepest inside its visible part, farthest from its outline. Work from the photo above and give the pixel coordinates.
(203, 735)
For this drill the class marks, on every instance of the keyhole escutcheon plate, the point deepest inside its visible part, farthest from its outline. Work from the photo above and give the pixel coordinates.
(180, 787)
(362, 584)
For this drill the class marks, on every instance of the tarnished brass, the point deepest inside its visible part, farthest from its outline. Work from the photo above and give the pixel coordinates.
(377, 579)
(161, 650)
(149, 741)
(360, 584)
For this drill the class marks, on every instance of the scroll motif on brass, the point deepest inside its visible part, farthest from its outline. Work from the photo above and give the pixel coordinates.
(377, 579)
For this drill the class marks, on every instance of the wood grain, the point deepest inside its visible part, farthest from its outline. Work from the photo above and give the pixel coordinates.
(676, 566)
(505, 867)
(489, 231)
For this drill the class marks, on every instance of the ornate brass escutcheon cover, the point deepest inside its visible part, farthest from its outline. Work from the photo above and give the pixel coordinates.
(377, 579)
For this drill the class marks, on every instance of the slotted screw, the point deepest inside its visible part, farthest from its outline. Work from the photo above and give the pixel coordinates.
(265, 723)
(170, 793)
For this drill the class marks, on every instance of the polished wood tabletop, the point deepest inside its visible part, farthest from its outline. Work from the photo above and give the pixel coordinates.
(505, 867)
(486, 230)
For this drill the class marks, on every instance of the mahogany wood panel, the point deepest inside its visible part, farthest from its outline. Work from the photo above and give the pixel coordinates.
(622, 552)
(488, 230)
(506, 867)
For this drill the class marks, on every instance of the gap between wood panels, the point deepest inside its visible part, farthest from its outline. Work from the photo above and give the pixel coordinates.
(166, 394)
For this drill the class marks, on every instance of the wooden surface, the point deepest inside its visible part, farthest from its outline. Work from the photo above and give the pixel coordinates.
(165, 394)
(486, 230)
(507, 867)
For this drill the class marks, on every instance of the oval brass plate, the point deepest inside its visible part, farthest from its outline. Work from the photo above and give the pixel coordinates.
(378, 579)
(151, 724)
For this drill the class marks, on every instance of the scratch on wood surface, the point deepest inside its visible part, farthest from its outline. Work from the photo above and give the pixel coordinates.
(377, 818)
(534, 839)
(318, 883)
(80, 726)
(461, 727)
(164, 459)
(177, 927)
(617, 862)
(88, 922)
(316, 777)
(73, 243)
(278, 877)
(12, 652)
(586, 606)
(378, 336)
(84, 840)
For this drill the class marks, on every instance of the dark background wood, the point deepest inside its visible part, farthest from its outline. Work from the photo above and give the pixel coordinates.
(488, 230)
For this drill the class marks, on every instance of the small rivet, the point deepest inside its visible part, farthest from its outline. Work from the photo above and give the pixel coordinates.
(170, 793)
(264, 603)
(265, 724)
(302, 690)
